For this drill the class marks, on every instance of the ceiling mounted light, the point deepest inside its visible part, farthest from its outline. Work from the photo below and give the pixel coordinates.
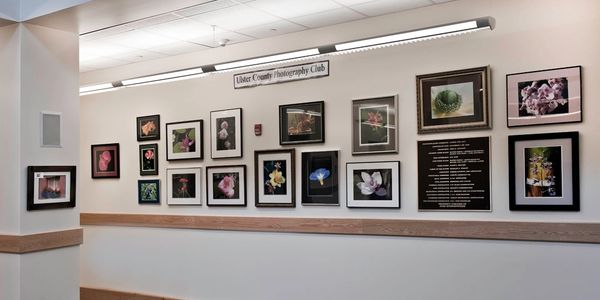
(95, 87)
(268, 59)
(162, 76)
(420, 34)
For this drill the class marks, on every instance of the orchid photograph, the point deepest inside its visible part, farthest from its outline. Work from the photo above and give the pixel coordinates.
(226, 185)
(149, 159)
(184, 140)
(320, 178)
(302, 123)
(226, 133)
(105, 161)
(149, 191)
(374, 125)
(274, 178)
(543, 174)
(183, 186)
(148, 128)
(373, 184)
(550, 96)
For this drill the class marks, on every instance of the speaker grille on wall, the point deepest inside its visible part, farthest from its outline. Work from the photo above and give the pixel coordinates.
(51, 129)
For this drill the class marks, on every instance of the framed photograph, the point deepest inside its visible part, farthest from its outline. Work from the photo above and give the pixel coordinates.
(184, 186)
(320, 178)
(185, 140)
(544, 171)
(105, 161)
(374, 125)
(373, 184)
(453, 101)
(50, 187)
(226, 133)
(544, 97)
(149, 159)
(226, 185)
(148, 128)
(274, 177)
(302, 123)
(149, 191)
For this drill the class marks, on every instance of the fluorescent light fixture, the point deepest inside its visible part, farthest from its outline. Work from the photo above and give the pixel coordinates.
(419, 34)
(95, 87)
(267, 59)
(100, 91)
(162, 76)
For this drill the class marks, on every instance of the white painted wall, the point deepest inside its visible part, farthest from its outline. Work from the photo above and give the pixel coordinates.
(244, 265)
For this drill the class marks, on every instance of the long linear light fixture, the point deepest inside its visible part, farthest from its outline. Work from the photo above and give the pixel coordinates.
(364, 44)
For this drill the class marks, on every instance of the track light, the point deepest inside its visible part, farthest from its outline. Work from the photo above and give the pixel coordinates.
(351, 46)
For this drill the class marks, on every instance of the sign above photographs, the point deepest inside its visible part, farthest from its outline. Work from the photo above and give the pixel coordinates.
(283, 74)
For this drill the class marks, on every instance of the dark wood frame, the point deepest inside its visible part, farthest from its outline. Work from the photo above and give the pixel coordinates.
(239, 130)
(201, 138)
(374, 149)
(333, 199)
(157, 181)
(375, 207)
(146, 146)
(544, 70)
(117, 159)
(209, 182)
(283, 131)
(138, 128)
(31, 170)
(485, 105)
(291, 181)
(574, 137)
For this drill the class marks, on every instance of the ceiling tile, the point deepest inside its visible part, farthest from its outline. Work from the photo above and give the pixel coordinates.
(352, 2)
(138, 39)
(293, 8)
(183, 29)
(139, 55)
(236, 17)
(103, 62)
(178, 48)
(381, 7)
(330, 17)
(206, 7)
(272, 29)
(233, 38)
(99, 48)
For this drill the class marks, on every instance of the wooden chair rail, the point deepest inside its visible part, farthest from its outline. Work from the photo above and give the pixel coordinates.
(492, 230)
(20, 244)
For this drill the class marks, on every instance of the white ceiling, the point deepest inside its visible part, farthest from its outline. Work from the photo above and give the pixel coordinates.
(203, 25)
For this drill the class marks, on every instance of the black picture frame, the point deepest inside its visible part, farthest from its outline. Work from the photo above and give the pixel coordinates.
(286, 196)
(532, 170)
(55, 186)
(148, 128)
(309, 118)
(566, 105)
(174, 139)
(149, 158)
(375, 125)
(320, 178)
(105, 161)
(217, 184)
(145, 191)
(224, 124)
(461, 102)
(390, 181)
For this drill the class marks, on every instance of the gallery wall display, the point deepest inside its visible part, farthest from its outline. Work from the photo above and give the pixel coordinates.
(226, 185)
(106, 161)
(184, 186)
(185, 140)
(148, 159)
(544, 97)
(544, 171)
(454, 174)
(374, 125)
(320, 178)
(50, 187)
(455, 100)
(274, 178)
(226, 133)
(302, 123)
(148, 128)
(373, 184)
(149, 191)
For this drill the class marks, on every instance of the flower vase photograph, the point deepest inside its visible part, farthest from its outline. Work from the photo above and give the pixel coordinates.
(50, 187)
(226, 133)
(226, 185)
(185, 140)
(373, 184)
(274, 176)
